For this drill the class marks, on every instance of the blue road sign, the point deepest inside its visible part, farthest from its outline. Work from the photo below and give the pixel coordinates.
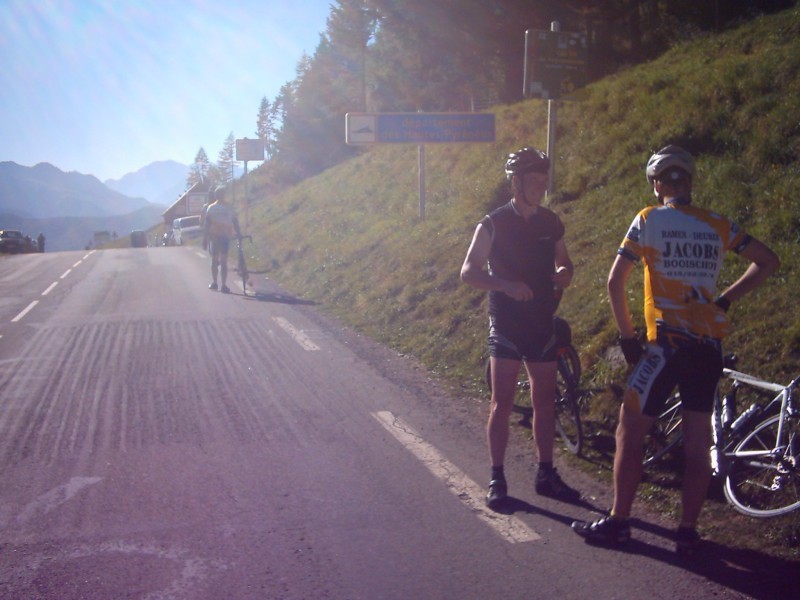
(419, 128)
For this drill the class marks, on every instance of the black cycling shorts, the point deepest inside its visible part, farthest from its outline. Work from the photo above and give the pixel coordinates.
(219, 245)
(532, 344)
(694, 366)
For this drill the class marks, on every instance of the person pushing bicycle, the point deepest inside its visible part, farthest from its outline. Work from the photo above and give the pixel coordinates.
(681, 247)
(523, 244)
(220, 224)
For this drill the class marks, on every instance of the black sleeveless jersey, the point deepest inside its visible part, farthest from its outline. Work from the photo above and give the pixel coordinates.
(523, 250)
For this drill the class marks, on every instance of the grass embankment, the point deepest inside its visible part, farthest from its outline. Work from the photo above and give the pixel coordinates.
(351, 239)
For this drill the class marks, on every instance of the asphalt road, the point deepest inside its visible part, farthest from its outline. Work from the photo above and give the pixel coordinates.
(159, 440)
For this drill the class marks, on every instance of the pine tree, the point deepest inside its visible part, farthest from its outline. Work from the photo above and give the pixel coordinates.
(226, 161)
(265, 126)
(198, 172)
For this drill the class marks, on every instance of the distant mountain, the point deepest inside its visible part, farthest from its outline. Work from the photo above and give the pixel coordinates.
(75, 233)
(44, 191)
(161, 182)
(68, 207)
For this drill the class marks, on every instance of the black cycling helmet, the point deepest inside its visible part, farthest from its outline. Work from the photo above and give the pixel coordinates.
(527, 160)
(671, 162)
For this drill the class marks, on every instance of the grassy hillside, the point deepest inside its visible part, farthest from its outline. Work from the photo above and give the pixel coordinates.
(351, 239)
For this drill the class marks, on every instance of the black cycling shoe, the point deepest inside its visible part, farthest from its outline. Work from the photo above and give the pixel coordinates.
(498, 492)
(605, 531)
(687, 540)
(212, 285)
(226, 289)
(550, 484)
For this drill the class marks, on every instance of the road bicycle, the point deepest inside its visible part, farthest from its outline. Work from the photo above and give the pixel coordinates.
(241, 265)
(756, 453)
(568, 416)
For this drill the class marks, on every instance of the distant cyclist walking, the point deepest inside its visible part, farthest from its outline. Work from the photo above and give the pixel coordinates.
(220, 224)
(522, 243)
(681, 247)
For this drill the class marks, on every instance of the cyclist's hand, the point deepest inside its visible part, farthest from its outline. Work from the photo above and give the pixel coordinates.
(517, 291)
(632, 350)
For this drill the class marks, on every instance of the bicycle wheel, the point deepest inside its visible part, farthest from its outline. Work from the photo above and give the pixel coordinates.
(764, 479)
(568, 415)
(665, 434)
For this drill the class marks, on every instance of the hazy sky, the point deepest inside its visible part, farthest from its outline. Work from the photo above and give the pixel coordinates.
(105, 87)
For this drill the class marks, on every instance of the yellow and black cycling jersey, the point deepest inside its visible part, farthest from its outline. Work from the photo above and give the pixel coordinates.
(682, 248)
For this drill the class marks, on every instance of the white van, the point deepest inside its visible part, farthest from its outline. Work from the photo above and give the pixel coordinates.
(186, 228)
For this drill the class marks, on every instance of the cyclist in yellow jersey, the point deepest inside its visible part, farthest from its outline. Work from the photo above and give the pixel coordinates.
(681, 248)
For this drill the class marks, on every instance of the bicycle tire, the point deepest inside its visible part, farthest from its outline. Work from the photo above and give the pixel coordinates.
(665, 434)
(242, 268)
(768, 485)
(568, 414)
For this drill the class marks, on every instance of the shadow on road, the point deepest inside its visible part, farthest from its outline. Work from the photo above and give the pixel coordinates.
(744, 571)
(281, 298)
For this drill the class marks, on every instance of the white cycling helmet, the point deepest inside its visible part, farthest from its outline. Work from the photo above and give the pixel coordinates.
(670, 161)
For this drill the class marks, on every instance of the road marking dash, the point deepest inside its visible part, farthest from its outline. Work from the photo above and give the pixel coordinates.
(25, 311)
(50, 288)
(67, 272)
(299, 337)
(509, 527)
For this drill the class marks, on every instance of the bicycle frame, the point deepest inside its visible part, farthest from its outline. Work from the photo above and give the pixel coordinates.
(757, 455)
(762, 461)
(726, 436)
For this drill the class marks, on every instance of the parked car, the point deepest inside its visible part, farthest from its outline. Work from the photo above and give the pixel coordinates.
(12, 242)
(138, 239)
(185, 229)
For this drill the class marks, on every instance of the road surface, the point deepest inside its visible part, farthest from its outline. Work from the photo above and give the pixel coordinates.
(162, 441)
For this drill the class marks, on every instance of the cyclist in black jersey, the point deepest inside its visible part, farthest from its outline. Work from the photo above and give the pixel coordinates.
(681, 247)
(522, 243)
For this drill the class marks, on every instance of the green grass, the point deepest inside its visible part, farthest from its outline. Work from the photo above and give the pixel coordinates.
(351, 240)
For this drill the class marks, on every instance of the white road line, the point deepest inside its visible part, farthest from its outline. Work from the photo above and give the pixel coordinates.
(67, 272)
(50, 289)
(509, 527)
(299, 337)
(77, 263)
(25, 311)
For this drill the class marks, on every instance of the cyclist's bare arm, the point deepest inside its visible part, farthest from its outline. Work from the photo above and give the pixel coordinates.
(617, 282)
(763, 263)
(563, 264)
(474, 273)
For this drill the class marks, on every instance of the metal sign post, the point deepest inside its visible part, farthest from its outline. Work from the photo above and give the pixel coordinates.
(555, 66)
(247, 149)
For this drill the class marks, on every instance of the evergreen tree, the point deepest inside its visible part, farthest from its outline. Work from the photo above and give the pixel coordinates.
(198, 172)
(265, 126)
(226, 160)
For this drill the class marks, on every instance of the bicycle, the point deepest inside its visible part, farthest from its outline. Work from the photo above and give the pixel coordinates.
(568, 417)
(757, 453)
(241, 265)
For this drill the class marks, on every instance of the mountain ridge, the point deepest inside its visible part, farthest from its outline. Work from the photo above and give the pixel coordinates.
(69, 207)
